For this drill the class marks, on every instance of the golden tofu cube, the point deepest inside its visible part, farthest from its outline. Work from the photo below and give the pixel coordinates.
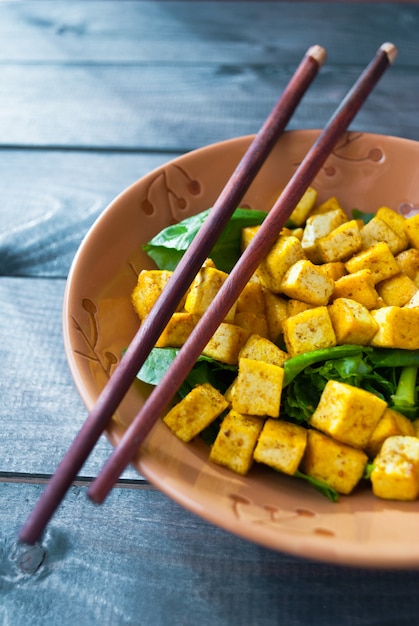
(150, 284)
(397, 290)
(252, 322)
(309, 330)
(396, 221)
(247, 234)
(296, 306)
(334, 269)
(204, 289)
(391, 423)
(338, 465)
(352, 322)
(281, 445)
(378, 259)
(251, 299)
(408, 261)
(286, 251)
(416, 427)
(413, 302)
(397, 328)
(236, 441)
(258, 388)
(261, 349)
(177, 330)
(318, 226)
(358, 286)
(226, 343)
(276, 313)
(395, 475)
(304, 206)
(412, 230)
(348, 414)
(306, 282)
(340, 244)
(331, 204)
(297, 232)
(197, 410)
(376, 230)
(229, 393)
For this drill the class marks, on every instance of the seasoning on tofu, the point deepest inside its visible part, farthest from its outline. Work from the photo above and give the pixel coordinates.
(308, 348)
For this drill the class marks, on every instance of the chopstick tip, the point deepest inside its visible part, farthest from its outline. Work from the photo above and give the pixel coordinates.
(390, 50)
(318, 53)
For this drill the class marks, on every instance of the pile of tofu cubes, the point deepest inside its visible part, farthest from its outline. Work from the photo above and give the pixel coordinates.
(328, 280)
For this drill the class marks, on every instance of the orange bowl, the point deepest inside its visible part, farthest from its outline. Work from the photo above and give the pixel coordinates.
(365, 171)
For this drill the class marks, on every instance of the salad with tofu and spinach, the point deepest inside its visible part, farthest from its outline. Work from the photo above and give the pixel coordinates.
(314, 371)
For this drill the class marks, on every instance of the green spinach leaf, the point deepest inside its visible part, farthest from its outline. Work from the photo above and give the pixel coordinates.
(169, 245)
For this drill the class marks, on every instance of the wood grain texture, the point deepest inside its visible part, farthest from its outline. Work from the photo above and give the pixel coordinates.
(50, 199)
(40, 410)
(94, 94)
(147, 561)
(61, 94)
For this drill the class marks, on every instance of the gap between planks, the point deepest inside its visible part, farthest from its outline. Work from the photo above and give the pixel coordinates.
(80, 481)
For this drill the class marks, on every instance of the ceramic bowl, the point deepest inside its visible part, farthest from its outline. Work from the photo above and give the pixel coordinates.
(364, 171)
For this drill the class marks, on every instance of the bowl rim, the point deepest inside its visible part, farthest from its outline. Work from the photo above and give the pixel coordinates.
(350, 555)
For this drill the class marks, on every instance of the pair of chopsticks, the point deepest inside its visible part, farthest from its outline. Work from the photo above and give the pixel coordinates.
(183, 276)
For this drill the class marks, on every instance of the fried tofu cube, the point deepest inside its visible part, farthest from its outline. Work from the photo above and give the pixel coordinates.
(304, 206)
(150, 284)
(281, 445)
(261, 349)
(395, 475)
(276, 313)
(412, 230)
(359, 286)
(352, 322)
(416, 427)
(286, 251)
(391, 423)
(258, 388)
(197, 410)
(413, 302)
(334, 269)
(204, 289)
(304, 281)
(408, 261)
(397, 328)
(376, 230)
(309, 330)
(229, 393)
(348, 414)
(396, 221)
(252, 322)
(236, 441)
(251, 299)
(226, 343)
(341, 243)
(397, 290)
(318, 226)
(296, 306)
(378, 259)
(247, 234)
(296, 232)
(177, 330)
(331, 204)
(338, 465)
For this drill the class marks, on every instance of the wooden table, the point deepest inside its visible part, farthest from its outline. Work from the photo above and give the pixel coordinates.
(92, 96)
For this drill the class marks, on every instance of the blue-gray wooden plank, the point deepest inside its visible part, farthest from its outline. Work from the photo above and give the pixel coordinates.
(145, 561)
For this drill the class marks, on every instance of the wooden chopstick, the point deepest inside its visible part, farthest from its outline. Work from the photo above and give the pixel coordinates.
(239, 276)
(150, 330)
